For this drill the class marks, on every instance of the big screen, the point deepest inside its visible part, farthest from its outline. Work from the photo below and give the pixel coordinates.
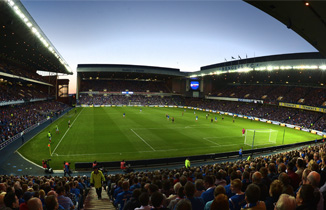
(194, 85)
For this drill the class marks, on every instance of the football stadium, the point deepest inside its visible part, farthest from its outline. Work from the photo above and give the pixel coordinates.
(238, 134)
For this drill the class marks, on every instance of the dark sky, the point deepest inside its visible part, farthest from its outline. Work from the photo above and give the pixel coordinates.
(177, 34)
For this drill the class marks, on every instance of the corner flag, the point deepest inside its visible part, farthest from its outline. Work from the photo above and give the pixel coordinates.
(49, 145)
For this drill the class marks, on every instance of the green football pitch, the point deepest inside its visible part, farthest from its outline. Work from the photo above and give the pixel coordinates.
(103, 134)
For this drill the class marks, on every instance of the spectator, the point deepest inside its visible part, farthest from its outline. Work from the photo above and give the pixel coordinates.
(275, 191)
(144, 201)
(11, 201)
(300, 167)
(196, 203)
(199, 185)
(208, 195)
(157, 199)
(307, 198)
(314, 179)
(134, 200)
(218, 190)
(176, 190)
(35, 204)
(285, 202)
(64, 201)
(184, 205)
(238, 200)
(26, 197)
(220, 203)
(51, 202)
(180, 197)
(252, 195)
(287, 188)
(124, 196)
(295, 179)
(257, 179)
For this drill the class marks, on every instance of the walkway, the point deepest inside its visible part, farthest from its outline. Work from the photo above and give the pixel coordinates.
(92, 203)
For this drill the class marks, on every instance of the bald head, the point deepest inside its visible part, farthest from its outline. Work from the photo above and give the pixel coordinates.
(314, 178)
(35, 203)
(256, 177)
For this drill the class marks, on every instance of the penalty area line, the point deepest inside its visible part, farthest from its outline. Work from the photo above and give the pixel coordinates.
(65, 133)
(142, 139)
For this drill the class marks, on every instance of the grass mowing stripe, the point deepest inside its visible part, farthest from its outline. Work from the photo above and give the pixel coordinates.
(211, 142)
(142, 139)
(66, 133)
(102, 134)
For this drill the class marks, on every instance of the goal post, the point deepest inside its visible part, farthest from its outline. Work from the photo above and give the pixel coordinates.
(133, 103)
(256, 137)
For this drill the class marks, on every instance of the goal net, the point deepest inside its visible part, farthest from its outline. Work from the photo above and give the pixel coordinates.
(255, 137)
(132, 103)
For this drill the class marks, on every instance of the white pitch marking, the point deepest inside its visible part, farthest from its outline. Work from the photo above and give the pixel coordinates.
(28, 160)
(211, 141)
(142, 139)
(66, 132)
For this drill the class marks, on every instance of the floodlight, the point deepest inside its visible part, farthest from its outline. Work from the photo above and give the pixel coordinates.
(322, 67)
(11, 3)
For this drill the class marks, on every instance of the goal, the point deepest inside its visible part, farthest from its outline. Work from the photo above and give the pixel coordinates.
(255, 137)
(133, 103)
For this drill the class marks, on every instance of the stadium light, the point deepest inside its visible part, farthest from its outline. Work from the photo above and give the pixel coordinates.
(322, 67)
(28, 23)
(11, 3)
(285, 67)
(269, 68)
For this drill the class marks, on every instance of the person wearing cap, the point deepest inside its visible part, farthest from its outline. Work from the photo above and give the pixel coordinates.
(96, 180)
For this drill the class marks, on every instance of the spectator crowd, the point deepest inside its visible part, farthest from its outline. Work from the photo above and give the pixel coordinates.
(288, 180)
(41, 192)
(16, 118)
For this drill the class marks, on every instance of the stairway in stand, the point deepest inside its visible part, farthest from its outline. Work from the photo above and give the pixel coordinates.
(92, 203)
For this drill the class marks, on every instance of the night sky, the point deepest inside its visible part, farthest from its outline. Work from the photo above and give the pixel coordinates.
(176, 34)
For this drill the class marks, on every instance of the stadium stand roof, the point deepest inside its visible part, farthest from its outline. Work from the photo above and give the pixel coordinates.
(22, 40)
(280, 57)
(128, 69)
(306, 18)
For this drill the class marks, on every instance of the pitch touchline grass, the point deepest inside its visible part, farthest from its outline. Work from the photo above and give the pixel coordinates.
(142, 139)
(53, 152)
(103, 134)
